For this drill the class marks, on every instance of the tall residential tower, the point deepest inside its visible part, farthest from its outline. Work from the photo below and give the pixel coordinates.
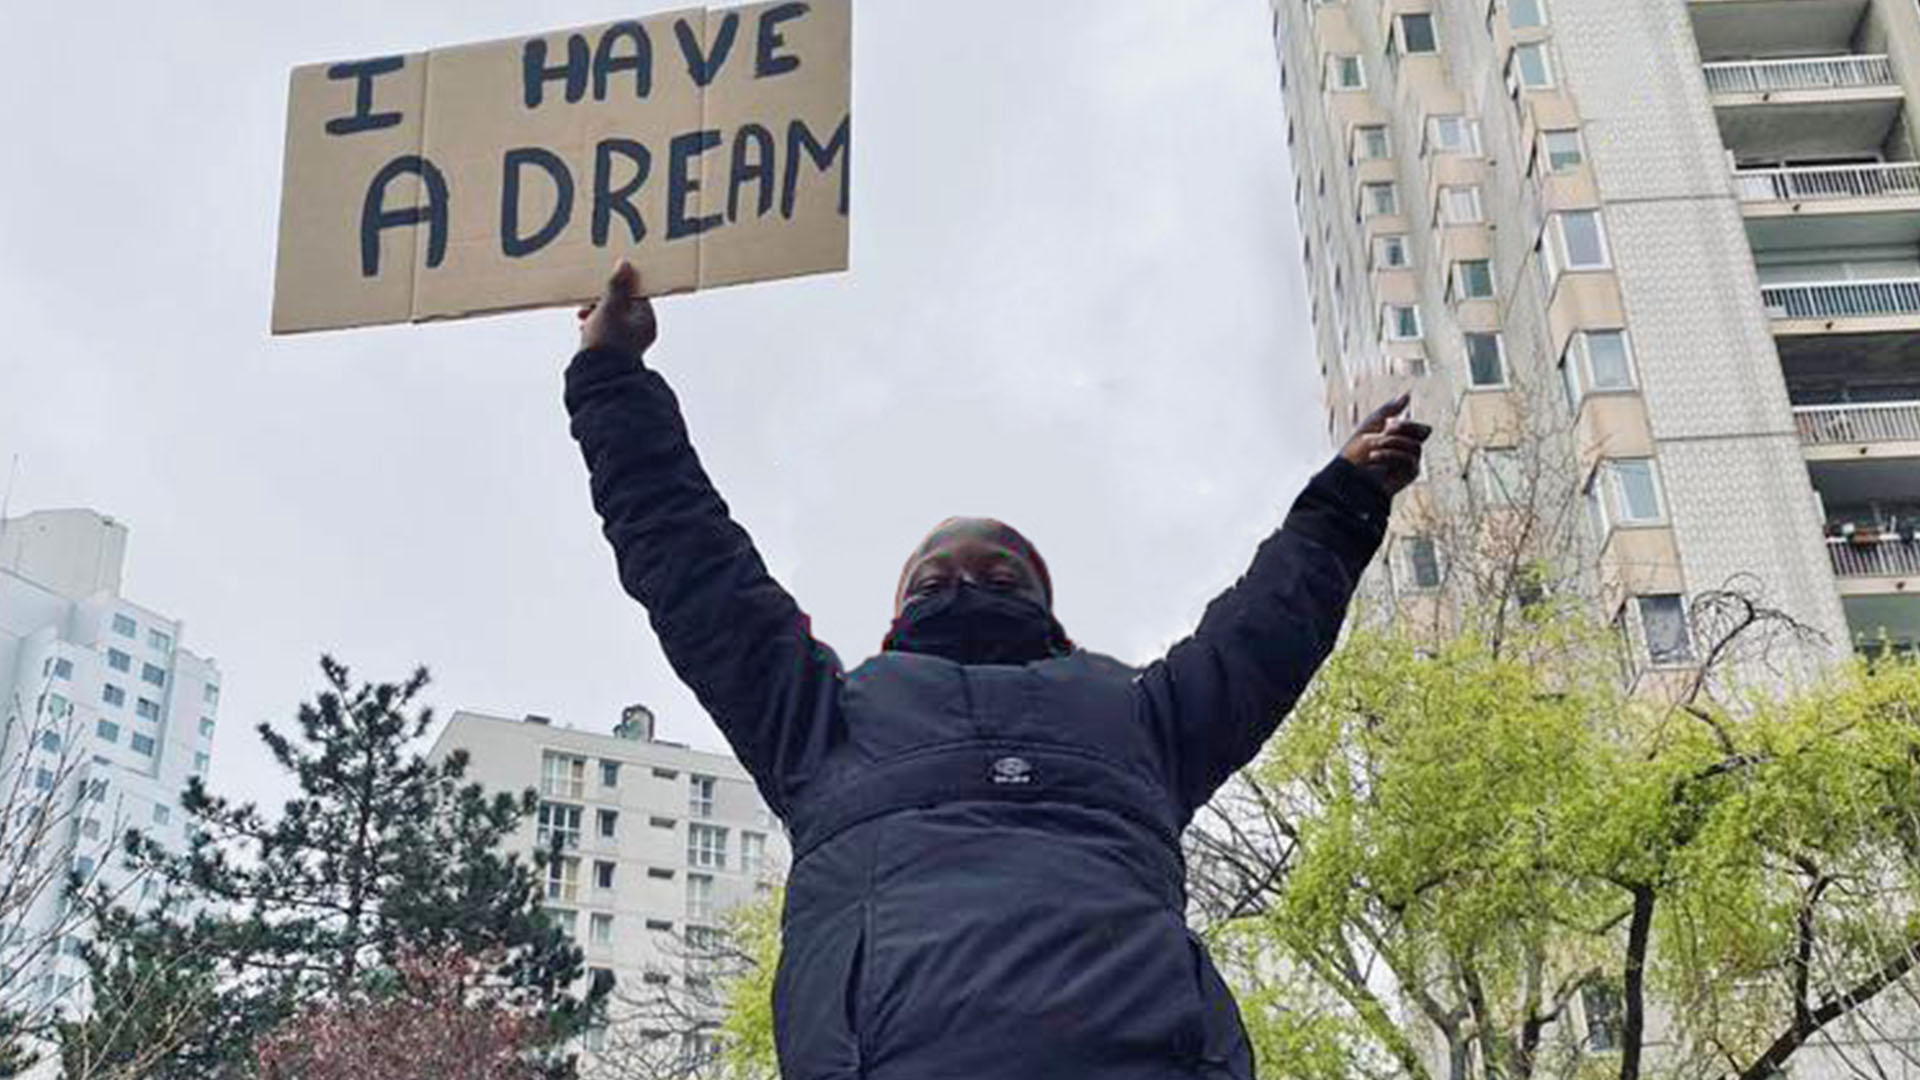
(1684, 234)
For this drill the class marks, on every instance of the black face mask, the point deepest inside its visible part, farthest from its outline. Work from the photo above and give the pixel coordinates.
(970, 625)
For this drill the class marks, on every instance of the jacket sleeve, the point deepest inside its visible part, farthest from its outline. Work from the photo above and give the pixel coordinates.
(1218, 695)
(730, 631)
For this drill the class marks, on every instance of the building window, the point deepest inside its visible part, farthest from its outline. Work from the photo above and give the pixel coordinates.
(1529, 68)
(660, 924)
(559, 823)
(1390, 252)
(97, 790)
(1564, 152)
(1372, 142)
(600, 929)
(1601, 1006)
(124, 626)
(153, 676)
(160, 641)
(707, 847)
(609, 824)
(210, 694)
(1502, 481)
(1417, 36)
(660, 872)
(609, 774)
(200, 761)
(1664, 621)
(1379, 199)
(119, 661)
(1596, 360)
(112, 694)
(142, 744)
(563, 883)
(1473, 279)
(83, 866)
(1579, 243)
(161, 814)
(147, 710)
(1414, 367)
(603, 872)
(661, 822)
(1630, 492)
(206, 727)
(43, 780)
(1453, 135)
(1422, 557)
(700, 795)
(90, 829)
(107, 730)
(56, 706)
(1346, 73)
(1401, 322)
(1460, 205)
(563, 776)
(699, 898)
(1486, 361)
(62, 668)
(1526, 14)
(753, 853)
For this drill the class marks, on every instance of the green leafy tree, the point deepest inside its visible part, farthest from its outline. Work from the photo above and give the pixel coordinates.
(1459, 844)
(381, 852)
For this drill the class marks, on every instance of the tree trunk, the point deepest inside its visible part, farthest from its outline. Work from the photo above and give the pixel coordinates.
(1634, 988)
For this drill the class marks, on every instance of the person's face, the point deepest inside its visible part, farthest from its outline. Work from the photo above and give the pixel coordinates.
(977, 551)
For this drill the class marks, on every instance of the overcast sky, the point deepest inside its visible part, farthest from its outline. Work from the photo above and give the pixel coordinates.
(1075, 304)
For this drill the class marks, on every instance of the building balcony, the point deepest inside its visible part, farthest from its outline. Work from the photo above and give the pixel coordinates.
(1830, 206)
(1862, 306)
(1800, 75)
(1830, 183)
(1868, 422)
(1734, 29)
(1878, 557)
(1805, 108)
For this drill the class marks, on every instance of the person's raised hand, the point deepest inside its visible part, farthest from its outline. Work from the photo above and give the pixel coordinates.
(621, 319)
(1388, 447)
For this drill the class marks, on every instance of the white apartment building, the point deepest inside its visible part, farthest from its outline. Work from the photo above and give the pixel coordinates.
(106, 715)
(1687, 229)
(661, 839)
(1684, 235)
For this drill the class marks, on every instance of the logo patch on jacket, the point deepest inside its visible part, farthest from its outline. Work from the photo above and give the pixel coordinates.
(1012, 770)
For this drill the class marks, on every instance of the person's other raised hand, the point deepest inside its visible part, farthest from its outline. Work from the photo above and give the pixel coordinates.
(621, 319)
(1388, 447)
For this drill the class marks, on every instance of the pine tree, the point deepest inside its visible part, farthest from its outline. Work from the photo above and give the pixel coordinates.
(381, 854)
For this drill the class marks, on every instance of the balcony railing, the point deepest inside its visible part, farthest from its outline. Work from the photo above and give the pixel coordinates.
(1889, 557)
(1842, 299)
(1879, 421)
(1876, 181)
(1800, 73)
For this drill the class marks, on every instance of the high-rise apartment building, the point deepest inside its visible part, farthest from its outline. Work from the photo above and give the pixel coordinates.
(1684, 235)
(659, 840)
(106, 715)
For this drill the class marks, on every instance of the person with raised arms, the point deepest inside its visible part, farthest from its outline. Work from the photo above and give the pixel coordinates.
(986, 817)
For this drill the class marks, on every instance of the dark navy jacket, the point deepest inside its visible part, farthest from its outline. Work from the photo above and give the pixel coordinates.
(987, 879)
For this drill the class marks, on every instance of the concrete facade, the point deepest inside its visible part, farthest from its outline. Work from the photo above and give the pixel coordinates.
(658, 855)
(106, 710)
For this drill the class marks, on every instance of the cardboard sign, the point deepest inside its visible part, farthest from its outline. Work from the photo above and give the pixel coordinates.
(709, 147)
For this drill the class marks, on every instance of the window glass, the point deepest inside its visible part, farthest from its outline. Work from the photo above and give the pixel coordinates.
(1390, 251)
(1348, 74)
(147, 710)
(1476, 279)
(1380, 199)
(119, 661)
(1460, 205)
(1580, 229)
(1664, 619)
(142, 744)
(609, 774)
(159, 640)
(1403, 322)
(1417, 30)
(1485, 366)
(153, 676)
(1530, 64)
(1423, 562)
(1526, 14)
(1607, 361)
(1563, 150)
(1504, 482)
(107, 730)
(1374, 142)
(124, 626)
(1636, 492)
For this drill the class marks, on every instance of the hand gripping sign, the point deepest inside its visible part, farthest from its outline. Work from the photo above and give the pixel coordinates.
(708, 147)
